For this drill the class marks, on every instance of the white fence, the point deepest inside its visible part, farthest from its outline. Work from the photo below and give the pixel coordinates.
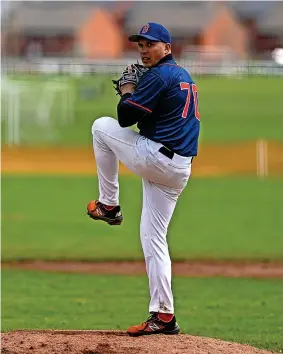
(74, 66)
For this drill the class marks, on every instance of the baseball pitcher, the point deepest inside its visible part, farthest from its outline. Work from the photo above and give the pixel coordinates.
(161, 97)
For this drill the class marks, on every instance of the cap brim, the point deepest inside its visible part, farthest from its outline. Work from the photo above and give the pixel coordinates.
(137, 37)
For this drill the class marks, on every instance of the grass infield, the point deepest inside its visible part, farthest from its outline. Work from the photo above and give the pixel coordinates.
(239, 310)
(215, 218)
(231, 108)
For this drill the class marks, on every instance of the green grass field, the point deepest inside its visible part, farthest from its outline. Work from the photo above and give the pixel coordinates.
(240, 310)
(233, 218)
(216, 218)
(232, 109)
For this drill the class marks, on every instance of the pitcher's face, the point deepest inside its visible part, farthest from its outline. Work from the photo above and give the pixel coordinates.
(152, 52)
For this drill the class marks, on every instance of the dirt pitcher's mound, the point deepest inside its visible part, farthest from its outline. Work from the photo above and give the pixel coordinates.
(115, 342)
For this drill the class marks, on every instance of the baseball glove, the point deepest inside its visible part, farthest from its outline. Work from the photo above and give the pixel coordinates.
(131, 74)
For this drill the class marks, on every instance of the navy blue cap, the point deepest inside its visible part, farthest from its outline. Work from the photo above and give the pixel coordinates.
(153, 32)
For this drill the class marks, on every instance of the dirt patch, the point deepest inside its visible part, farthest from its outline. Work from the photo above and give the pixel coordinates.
(189, 268)
(213, 160)
(118, 342)
(115, 342)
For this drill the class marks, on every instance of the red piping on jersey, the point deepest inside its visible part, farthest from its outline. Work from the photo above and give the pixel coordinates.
(138, 105)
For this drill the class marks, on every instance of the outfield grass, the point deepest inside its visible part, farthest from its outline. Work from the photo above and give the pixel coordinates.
(240, 310)
(231, 218)
(232, 108)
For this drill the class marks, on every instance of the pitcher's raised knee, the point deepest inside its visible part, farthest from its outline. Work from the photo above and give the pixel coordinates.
(101, 124)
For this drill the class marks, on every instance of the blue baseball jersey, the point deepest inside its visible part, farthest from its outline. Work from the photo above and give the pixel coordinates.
(169, 96)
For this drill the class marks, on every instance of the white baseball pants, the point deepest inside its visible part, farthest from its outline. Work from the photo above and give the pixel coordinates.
(163, 180)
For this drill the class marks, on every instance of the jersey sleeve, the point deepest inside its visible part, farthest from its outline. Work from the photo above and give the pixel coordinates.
(147, 93)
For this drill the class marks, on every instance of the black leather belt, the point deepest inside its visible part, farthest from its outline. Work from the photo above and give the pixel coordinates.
(166, 152)
(169, 153)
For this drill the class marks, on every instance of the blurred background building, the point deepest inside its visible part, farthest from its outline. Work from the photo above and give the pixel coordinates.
(100, 30)
(59, 59)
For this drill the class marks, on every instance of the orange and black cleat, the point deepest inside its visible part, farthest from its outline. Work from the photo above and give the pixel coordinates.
(98, 211)
(154, 325)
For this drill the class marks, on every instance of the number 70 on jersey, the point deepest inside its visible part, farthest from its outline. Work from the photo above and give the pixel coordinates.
(187, 86)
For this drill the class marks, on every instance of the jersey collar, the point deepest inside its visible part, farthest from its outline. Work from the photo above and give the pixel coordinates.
(168, 57)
